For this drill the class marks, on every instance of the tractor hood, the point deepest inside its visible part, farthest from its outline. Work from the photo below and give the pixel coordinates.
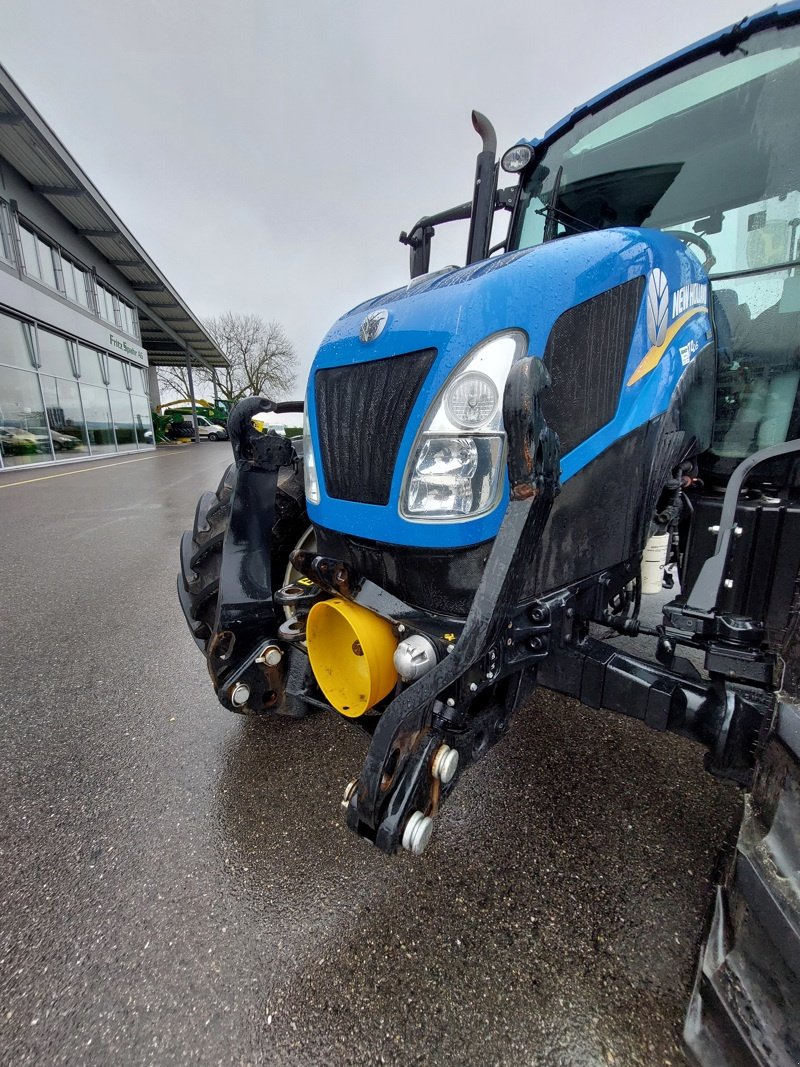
(395, 354)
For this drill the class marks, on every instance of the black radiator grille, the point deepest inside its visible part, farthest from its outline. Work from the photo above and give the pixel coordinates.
(586, 354)
(362, 412)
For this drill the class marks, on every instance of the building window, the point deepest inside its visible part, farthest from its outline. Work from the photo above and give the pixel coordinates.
(16, 344)
(115, 311)
(24, 437)
(30, 258)
(54, 355)
(130, 319)
(48, 415)
(68, 275)
(62, 401)
(123, 418)
(90, 366)
(6, 234)
(98, 418)
(141, 418)
(105, 303)
(82, 284)
(39, 258)
(116, 375)
(100, 300)
(46, 264)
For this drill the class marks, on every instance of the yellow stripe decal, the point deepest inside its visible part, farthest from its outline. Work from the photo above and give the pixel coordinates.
(656, 354)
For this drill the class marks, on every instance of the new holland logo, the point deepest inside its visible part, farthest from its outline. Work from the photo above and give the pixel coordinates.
(657, 307)
(373, 325)
(688, 302)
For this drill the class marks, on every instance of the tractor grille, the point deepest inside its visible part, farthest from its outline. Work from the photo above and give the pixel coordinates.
(586, 355)
(362, 412)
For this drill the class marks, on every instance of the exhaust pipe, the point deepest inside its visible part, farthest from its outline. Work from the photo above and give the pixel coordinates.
(480, 227)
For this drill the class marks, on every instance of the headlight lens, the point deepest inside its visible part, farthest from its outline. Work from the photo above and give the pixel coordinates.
(309, 462)
(471, 400)
(453, 475)
(516, 158)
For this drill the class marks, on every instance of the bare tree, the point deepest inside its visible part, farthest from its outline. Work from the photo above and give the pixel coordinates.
(262, 359)
(176, 380)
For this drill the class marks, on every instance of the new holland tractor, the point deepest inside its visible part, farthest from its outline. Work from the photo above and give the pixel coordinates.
(500, 458)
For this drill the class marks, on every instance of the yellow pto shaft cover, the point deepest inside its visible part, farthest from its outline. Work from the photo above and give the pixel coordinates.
(351, 650)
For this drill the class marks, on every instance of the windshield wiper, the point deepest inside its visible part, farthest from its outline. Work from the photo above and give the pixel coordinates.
(551, 211)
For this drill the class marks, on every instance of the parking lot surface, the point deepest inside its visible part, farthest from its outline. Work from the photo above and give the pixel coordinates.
(178, 885)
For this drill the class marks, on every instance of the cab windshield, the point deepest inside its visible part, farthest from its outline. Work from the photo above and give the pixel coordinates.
(710, 153)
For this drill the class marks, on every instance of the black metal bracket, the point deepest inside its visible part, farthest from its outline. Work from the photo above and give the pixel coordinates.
(725, 718)
(704, 595)
(246, 615)
(734, 644)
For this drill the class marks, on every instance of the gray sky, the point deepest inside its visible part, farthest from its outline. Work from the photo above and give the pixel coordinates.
(267, 155)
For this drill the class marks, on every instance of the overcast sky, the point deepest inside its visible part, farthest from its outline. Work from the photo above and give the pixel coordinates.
(266, 155)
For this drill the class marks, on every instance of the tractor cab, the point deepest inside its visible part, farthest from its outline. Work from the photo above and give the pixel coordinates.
(709, 153)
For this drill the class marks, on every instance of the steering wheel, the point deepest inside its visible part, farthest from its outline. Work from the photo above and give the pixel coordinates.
(690, 238)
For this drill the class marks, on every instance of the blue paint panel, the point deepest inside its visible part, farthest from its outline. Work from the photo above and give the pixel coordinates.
(523, 290)
(528, 290)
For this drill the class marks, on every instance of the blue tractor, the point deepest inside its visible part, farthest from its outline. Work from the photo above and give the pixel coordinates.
(500, 459)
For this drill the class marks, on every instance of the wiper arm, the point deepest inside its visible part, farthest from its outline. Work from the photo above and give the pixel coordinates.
(551, 217)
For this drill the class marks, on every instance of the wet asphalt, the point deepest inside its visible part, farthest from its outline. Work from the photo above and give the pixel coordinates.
(178, 885)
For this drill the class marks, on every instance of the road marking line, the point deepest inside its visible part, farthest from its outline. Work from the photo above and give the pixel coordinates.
(84, 470)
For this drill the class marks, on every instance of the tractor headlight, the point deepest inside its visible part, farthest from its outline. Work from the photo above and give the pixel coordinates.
(471, 401)
(309, 462)
(456, 465)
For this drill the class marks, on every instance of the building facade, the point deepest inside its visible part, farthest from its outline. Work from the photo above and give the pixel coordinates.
(85, 316)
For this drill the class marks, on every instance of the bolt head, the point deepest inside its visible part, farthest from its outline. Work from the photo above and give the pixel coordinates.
(473, 687)
(240, 694)
(401, 628)
(349, 790)
(417, 833)
(729, 583)
(445, 764)
(451, 648)
(450, 702)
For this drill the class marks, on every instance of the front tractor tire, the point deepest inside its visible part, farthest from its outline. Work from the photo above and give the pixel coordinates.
(201, 548)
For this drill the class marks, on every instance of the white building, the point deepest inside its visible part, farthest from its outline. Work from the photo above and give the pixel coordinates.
(85, 315)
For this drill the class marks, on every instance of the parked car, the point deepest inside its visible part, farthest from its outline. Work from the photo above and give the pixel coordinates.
(62, 442)
(212, 431)
(17, 441)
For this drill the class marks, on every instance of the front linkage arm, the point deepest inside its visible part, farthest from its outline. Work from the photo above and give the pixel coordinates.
(238, 652)
(398, 785)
